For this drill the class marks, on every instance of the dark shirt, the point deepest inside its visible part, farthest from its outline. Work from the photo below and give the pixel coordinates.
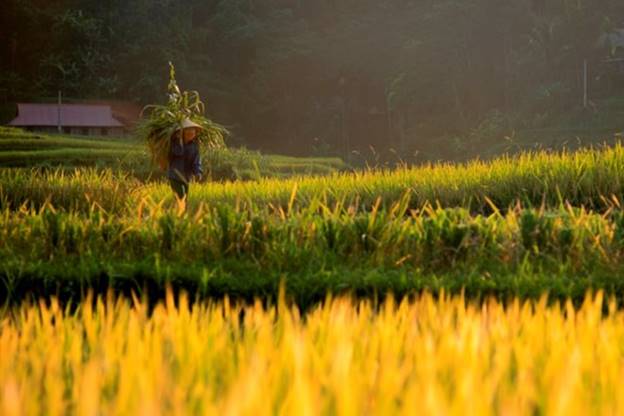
(184, 160)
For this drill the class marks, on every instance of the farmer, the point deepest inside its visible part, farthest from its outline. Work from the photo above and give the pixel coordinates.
(184, 159)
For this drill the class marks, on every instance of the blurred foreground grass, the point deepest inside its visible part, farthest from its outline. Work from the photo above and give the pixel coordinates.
(431, 356)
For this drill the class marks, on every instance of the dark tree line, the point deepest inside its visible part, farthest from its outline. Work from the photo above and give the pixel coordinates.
(327, 76)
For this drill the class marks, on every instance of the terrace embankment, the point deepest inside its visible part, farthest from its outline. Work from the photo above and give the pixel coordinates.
(523, 226)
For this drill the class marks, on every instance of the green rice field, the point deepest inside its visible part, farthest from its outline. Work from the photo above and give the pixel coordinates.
(517, 226)
(22, 149)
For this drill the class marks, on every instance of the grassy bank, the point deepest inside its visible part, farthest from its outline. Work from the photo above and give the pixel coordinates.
(19, 148)
(233, 251)
(523, 226)
(593, 179)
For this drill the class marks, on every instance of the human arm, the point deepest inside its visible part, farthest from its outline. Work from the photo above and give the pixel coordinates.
(197, 165)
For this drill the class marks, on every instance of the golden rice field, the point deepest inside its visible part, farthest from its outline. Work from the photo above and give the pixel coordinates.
(419, 356)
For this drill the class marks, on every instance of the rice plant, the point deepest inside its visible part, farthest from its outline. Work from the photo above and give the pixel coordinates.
(427, 355)
(248, 250)
(590, 178)
(510, 227)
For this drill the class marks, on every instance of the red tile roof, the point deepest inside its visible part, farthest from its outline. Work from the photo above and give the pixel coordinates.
(127, 112)
(72, 115)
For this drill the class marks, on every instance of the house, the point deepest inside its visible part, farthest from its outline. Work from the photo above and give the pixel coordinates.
(81, 119)
(127, 112)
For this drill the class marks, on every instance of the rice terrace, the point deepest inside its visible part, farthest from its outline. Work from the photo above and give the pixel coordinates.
(311, 208)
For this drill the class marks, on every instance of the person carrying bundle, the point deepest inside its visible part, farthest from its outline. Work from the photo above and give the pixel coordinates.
(174, 133)
(184, 158)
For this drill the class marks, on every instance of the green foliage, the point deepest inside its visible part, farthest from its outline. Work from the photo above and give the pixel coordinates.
(512, 227)
(317, 249)
(163, 121)
(592, 178)
(243, 164)
(283, 74)
(19, 148)
(227, 164)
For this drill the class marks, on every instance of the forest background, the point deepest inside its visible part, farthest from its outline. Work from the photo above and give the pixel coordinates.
(416, 80)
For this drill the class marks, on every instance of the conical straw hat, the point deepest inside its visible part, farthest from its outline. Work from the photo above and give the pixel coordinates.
(188, 123)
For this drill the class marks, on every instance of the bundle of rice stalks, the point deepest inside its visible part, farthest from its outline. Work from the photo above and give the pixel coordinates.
(160, 122)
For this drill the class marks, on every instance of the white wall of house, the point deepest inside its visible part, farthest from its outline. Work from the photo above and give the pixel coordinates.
(81, 131)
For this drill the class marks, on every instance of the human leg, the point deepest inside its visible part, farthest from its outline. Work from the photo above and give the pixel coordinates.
(179, 188)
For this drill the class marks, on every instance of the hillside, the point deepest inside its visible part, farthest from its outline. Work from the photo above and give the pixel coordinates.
(19, 148)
